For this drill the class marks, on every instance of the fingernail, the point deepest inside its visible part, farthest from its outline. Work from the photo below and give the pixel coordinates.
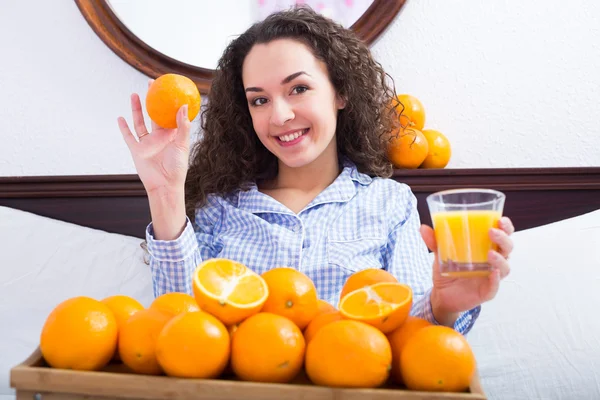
(185, 111)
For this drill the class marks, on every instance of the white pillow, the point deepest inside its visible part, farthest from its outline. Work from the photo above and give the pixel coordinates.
(540, 337)
(45, 261)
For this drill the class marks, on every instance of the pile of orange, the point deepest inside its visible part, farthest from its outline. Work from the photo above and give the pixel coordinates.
(411, 146)
(264, 328)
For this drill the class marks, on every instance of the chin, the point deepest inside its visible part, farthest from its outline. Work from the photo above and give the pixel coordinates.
(301, 160)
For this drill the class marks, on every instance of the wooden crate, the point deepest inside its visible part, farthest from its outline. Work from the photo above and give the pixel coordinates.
(33, 379)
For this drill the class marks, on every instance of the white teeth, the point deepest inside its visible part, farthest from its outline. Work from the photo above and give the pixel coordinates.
(292, 136)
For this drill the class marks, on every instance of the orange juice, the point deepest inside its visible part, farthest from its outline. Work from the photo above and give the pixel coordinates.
(463, 241)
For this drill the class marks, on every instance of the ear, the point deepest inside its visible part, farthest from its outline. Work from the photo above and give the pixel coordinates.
(340, 102)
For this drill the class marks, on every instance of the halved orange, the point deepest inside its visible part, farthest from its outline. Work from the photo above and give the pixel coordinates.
(383, 305)
(228, 290)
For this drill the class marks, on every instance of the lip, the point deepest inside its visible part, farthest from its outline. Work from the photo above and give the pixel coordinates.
(293, 142)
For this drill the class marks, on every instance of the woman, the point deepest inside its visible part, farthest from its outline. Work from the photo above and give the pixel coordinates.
(291, 171)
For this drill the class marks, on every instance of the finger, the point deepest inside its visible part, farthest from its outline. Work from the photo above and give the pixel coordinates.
(493, 285)
(503, 241)
(138, 119)
(428, 237)
(152, 123)
(183, 126)
(499, 263)
(507, 226)
(127, 135)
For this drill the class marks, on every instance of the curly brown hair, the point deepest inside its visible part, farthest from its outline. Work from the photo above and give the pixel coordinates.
(230, 156)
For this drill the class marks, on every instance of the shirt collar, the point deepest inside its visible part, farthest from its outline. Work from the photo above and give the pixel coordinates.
(342, 189)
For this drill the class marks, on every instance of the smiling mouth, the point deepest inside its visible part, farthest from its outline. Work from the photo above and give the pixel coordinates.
(292, 136)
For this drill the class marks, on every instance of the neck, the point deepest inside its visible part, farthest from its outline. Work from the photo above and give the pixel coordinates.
(315, 176)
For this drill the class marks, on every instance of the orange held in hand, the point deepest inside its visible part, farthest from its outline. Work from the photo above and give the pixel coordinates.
(407, 148)
(267, 348)
(80, 334)
(291, 294)
(383, 305)
(167, 94)
(437, 358)
(348, 354)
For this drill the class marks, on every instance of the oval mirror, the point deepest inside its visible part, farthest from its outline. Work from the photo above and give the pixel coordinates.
(188, 36)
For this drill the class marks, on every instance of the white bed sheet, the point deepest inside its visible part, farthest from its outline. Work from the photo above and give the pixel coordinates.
(540, 337)
(45, 261)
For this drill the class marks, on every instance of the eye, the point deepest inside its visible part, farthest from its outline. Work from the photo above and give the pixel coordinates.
(259, 101)
(299, 89)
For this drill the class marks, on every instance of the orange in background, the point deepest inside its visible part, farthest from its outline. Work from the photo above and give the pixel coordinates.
(439, 149)
(411, 112)
(407, 148)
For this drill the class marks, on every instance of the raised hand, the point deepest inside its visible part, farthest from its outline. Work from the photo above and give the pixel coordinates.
(160, 155)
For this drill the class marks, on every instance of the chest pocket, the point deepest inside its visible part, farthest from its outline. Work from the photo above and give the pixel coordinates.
(355, 244)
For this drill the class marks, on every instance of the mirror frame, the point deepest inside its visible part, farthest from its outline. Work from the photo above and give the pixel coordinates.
(153, 63)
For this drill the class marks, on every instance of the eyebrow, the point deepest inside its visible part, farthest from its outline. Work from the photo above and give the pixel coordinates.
(283, 82)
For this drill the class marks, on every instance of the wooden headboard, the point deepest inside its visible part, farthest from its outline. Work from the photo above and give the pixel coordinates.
(118, 203)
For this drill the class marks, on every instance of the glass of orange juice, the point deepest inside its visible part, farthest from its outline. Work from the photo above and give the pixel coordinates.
(462, 219)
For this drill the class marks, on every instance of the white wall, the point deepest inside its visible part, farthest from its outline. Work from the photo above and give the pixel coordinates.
(511, 83)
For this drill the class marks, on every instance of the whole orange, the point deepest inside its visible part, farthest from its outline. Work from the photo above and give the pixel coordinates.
(439, 149)
(175, 303)
(292, 295)
(411, 111)
(193, 345)
(167, 94)
(348, 354)
(407, 148)
(437, 358)
(80, 333)
(137, 340)
(324, 306)
(364, 278)
(122, 307)
(267, 347)
(320, 321)
(398, 339)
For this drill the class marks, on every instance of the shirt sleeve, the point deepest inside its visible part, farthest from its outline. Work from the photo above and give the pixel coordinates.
(408, 259)
(173, 262)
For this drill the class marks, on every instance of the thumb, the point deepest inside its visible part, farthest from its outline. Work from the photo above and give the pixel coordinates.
(428, 237)
(183, 125)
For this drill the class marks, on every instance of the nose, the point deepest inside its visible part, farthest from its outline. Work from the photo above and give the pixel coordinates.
(281, 112)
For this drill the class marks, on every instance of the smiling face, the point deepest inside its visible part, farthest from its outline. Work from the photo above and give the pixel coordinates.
(292, 102)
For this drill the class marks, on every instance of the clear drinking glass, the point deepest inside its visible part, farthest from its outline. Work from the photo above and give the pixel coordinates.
(461, 221)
